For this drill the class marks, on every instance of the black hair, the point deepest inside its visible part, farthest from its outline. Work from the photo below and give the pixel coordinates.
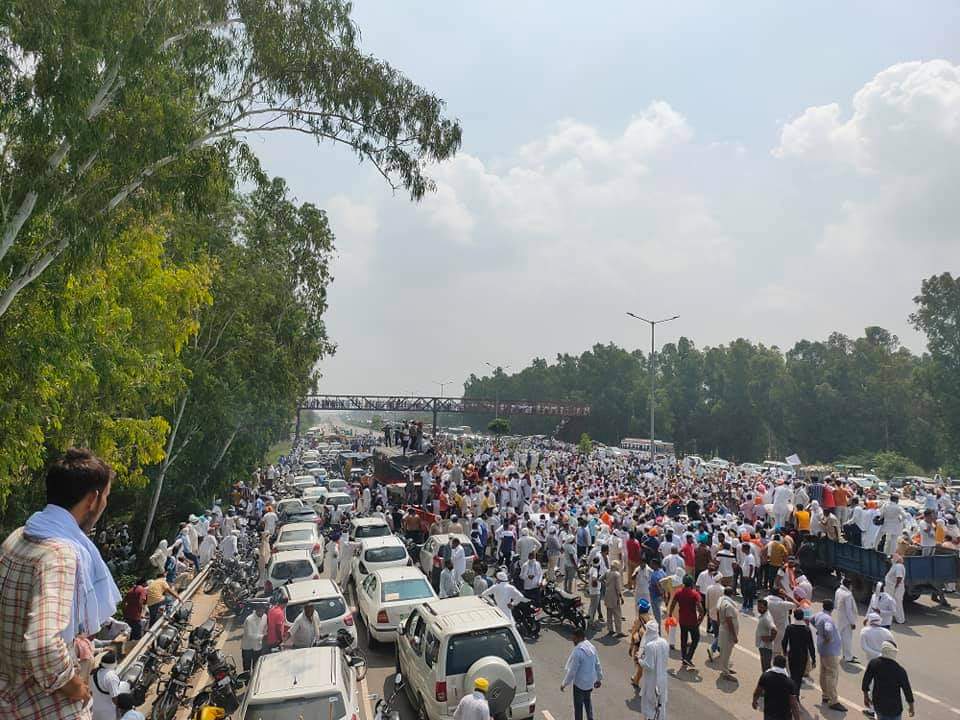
(74, 475)
(779, 661)
(828, 605)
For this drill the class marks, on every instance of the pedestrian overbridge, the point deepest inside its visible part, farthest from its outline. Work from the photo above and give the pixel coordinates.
(436, 405)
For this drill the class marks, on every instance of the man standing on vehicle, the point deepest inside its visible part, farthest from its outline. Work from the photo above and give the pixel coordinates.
(892, 518)
(474, 706)
(583, 671)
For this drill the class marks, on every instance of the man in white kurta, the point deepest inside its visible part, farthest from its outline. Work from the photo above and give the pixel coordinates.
(847, 618)
(894, 585)
(653, 656)
(504, 594)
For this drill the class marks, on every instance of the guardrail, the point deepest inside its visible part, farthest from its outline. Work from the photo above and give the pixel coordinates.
(150, 635)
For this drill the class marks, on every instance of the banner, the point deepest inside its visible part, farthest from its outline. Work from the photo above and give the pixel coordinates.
(794, 460)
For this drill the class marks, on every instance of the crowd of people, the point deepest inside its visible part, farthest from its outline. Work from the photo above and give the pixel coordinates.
(691, 546)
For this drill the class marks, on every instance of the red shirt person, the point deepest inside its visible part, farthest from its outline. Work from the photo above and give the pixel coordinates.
(133, 604)
(277, 630)
(689, 605)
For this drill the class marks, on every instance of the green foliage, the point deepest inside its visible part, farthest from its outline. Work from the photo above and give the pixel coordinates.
(499, 426)
(585, 445)
(749, 402)
(376, 423)
(88, 352)
(885, 464)
(104, 104)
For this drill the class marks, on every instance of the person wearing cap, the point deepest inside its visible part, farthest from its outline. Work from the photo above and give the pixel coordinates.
(125, 703)
(105, 683)
(504, 595)
(884, 682)
(474, 706)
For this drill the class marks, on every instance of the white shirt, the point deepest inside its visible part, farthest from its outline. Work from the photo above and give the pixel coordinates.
(305, 630)
(459, 559)
(748, 565)
(103, 706)
(532, 573)
(897, 570)
(704, 580)
(269, 522)
(871, 638)
(503, 594)
(228, 547)
(671, 563)
(846, 607)
(254, 628)
(928, 534)
(472, 707)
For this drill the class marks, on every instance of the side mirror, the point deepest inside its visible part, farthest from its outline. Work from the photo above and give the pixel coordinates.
(244, 676)
(398, 680)
(363, 569)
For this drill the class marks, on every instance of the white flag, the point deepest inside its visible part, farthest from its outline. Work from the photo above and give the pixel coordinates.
(794, 460)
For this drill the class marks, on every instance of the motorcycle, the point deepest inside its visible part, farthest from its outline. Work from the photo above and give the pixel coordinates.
(386, 709)
(527, 622)
(562, 606)
(170, 637)
(171, 692)
(222, 690)
(201, 641)
(142, 674)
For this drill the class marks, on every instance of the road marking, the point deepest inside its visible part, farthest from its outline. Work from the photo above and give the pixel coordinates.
(547, 715)
(365, 695)
(928, 698)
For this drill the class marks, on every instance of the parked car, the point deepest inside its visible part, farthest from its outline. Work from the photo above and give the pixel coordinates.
(336, 502)
(301, 536)
(437, 549)
(363, 528)
(288, 504)
(387, 596)
(314, 682)
(376, 553)
(328, 603)
(444, 645)
(302, 482)
(291, 566)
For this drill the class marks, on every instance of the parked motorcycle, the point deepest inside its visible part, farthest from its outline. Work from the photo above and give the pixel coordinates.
(527, 622)
(562, 606)
(170, 637)
(225, 682)
(173, 690)
(142, 674)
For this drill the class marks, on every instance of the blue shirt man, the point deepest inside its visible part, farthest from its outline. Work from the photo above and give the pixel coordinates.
(583, 671)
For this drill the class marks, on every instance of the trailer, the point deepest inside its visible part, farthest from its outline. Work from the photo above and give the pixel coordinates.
(866, 567)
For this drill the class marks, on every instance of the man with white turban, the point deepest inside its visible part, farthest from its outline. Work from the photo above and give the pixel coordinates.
(504, 595)
(883, 604)
(894, 585)
(653, 656)
(208, 546)
(873, 636)
(159, 556)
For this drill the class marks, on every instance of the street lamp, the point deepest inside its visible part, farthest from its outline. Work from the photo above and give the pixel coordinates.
(496, 387)
(442, 383)
(653, 370)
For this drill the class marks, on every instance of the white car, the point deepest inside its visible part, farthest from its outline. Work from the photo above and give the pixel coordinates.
(301, 536)
(285, 506)
(333, 484)
(368, 527)
(377, 553)
(291, 566)
(313, 495)
(437, 549)
(386, 597)
(447, 644)
(328, 603)
(336, 502)
(302, 482)
(310, 683)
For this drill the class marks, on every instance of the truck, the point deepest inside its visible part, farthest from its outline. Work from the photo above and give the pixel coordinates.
(866, 567)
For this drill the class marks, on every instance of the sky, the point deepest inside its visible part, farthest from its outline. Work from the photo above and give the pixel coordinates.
(766, 170)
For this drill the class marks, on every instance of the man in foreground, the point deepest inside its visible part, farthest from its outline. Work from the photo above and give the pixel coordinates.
(583, 671)
(57, 592)
(778, 693)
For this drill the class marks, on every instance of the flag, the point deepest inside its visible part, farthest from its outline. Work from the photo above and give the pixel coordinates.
(794, 460)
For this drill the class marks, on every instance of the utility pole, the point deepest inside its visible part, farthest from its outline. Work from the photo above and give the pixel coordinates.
(653, 374)
(441, 383)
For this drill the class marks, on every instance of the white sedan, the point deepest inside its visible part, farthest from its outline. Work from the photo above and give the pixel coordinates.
(386, 597)
(301, 536)
(375, 554)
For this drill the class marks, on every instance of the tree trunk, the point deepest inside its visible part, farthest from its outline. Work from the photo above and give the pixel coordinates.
(220, 456)
(163, 471)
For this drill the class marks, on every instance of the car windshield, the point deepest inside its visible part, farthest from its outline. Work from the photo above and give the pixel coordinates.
(292, 570)
(412, 589)
(464, 650)
(325, 608)
(345, 500)
(385, 554)
(295, 536)
(322, 707)
(372, 531)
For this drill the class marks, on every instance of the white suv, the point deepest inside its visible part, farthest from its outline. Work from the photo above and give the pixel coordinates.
(444, 645)
(314, 682)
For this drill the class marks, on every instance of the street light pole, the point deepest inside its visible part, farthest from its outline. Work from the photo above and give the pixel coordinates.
(653, 374)
(441, 383)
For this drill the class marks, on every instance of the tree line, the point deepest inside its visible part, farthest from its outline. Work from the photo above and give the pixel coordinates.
(866, 399)
(161, 297)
